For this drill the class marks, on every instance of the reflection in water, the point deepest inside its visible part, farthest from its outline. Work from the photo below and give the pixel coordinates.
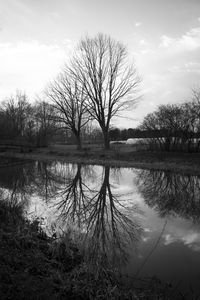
(171, 193)
(15, 182)
(98, 211)
(84, 200)
(74, 195)
(99, 207)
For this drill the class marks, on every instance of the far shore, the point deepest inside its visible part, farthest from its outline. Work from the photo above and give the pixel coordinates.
(186, 163)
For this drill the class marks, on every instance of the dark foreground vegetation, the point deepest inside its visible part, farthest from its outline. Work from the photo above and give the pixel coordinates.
(32, 265)
(35, 266)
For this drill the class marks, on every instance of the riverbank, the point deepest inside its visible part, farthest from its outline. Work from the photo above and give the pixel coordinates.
(35, 266)
(185, 163)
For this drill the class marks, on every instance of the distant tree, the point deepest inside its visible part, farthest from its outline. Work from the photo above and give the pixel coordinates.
(131, 133)
(192, 120)
(69, 101)
(175, 126)
(164, 125)
(114, 134)
(45, 122)
(109, 80)
(194, 110)
(30, 128)
(123, 134)
(4, 129)
(16, 112)
(96, 135)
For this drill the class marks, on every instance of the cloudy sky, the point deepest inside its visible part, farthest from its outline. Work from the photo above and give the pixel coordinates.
(163, 37)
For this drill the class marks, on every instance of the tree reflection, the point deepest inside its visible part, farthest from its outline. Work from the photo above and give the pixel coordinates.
(110, 225)
(74, 195)
(95, 206)
(102, 217)
(15, 181)
(171, 193)
(51, 176)
(23, 179)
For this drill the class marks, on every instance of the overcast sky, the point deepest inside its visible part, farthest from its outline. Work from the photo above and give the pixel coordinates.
(163, 37)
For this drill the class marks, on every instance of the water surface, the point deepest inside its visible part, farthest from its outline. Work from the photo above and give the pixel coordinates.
(146, 223)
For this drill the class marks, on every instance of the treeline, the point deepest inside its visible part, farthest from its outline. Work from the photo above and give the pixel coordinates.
(23, 122)
(36, 123)
(178, 123)
(117, 134)
(172, 127)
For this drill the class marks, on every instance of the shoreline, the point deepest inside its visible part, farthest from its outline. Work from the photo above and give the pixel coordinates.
(36, 266)
(179, 163)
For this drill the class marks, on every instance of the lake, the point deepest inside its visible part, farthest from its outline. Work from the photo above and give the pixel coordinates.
(141, 222)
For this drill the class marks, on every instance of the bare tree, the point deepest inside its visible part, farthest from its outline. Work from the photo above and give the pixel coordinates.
(167, 126)
(16, 112)
(45, 123)
(68, 99)
(110, 81)
(175, 126)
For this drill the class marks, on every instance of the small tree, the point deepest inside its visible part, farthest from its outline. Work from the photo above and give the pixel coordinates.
(68, 99)
(165, 125)
(109, 80)
(45, 122)
(16, 113)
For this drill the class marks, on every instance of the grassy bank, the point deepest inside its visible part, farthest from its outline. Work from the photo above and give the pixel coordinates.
(32, 265)
(122, 156)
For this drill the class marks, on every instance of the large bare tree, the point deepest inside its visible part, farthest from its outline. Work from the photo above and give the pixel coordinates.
(68, 99)
(109, 79)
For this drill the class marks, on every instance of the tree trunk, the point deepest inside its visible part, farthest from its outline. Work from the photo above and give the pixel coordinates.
(78, 142)
(189, 146)
(198, 146)
(106, 140)
(167, 144)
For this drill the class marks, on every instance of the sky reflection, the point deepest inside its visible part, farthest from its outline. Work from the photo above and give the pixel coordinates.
(143, 222)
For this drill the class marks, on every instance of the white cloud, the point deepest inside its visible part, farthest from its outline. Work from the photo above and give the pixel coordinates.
(147, 229)
(166, 41)
(143, 42)
(29, 65)
(187, 42)
(187, 67)
(174, 69)
(169, 239)
(55, 15)
(169, 67)
(192, 67)
(138, 24)
(145, 239)
(189, 239)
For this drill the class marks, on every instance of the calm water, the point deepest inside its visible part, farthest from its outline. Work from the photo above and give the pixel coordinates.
(144, 222)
